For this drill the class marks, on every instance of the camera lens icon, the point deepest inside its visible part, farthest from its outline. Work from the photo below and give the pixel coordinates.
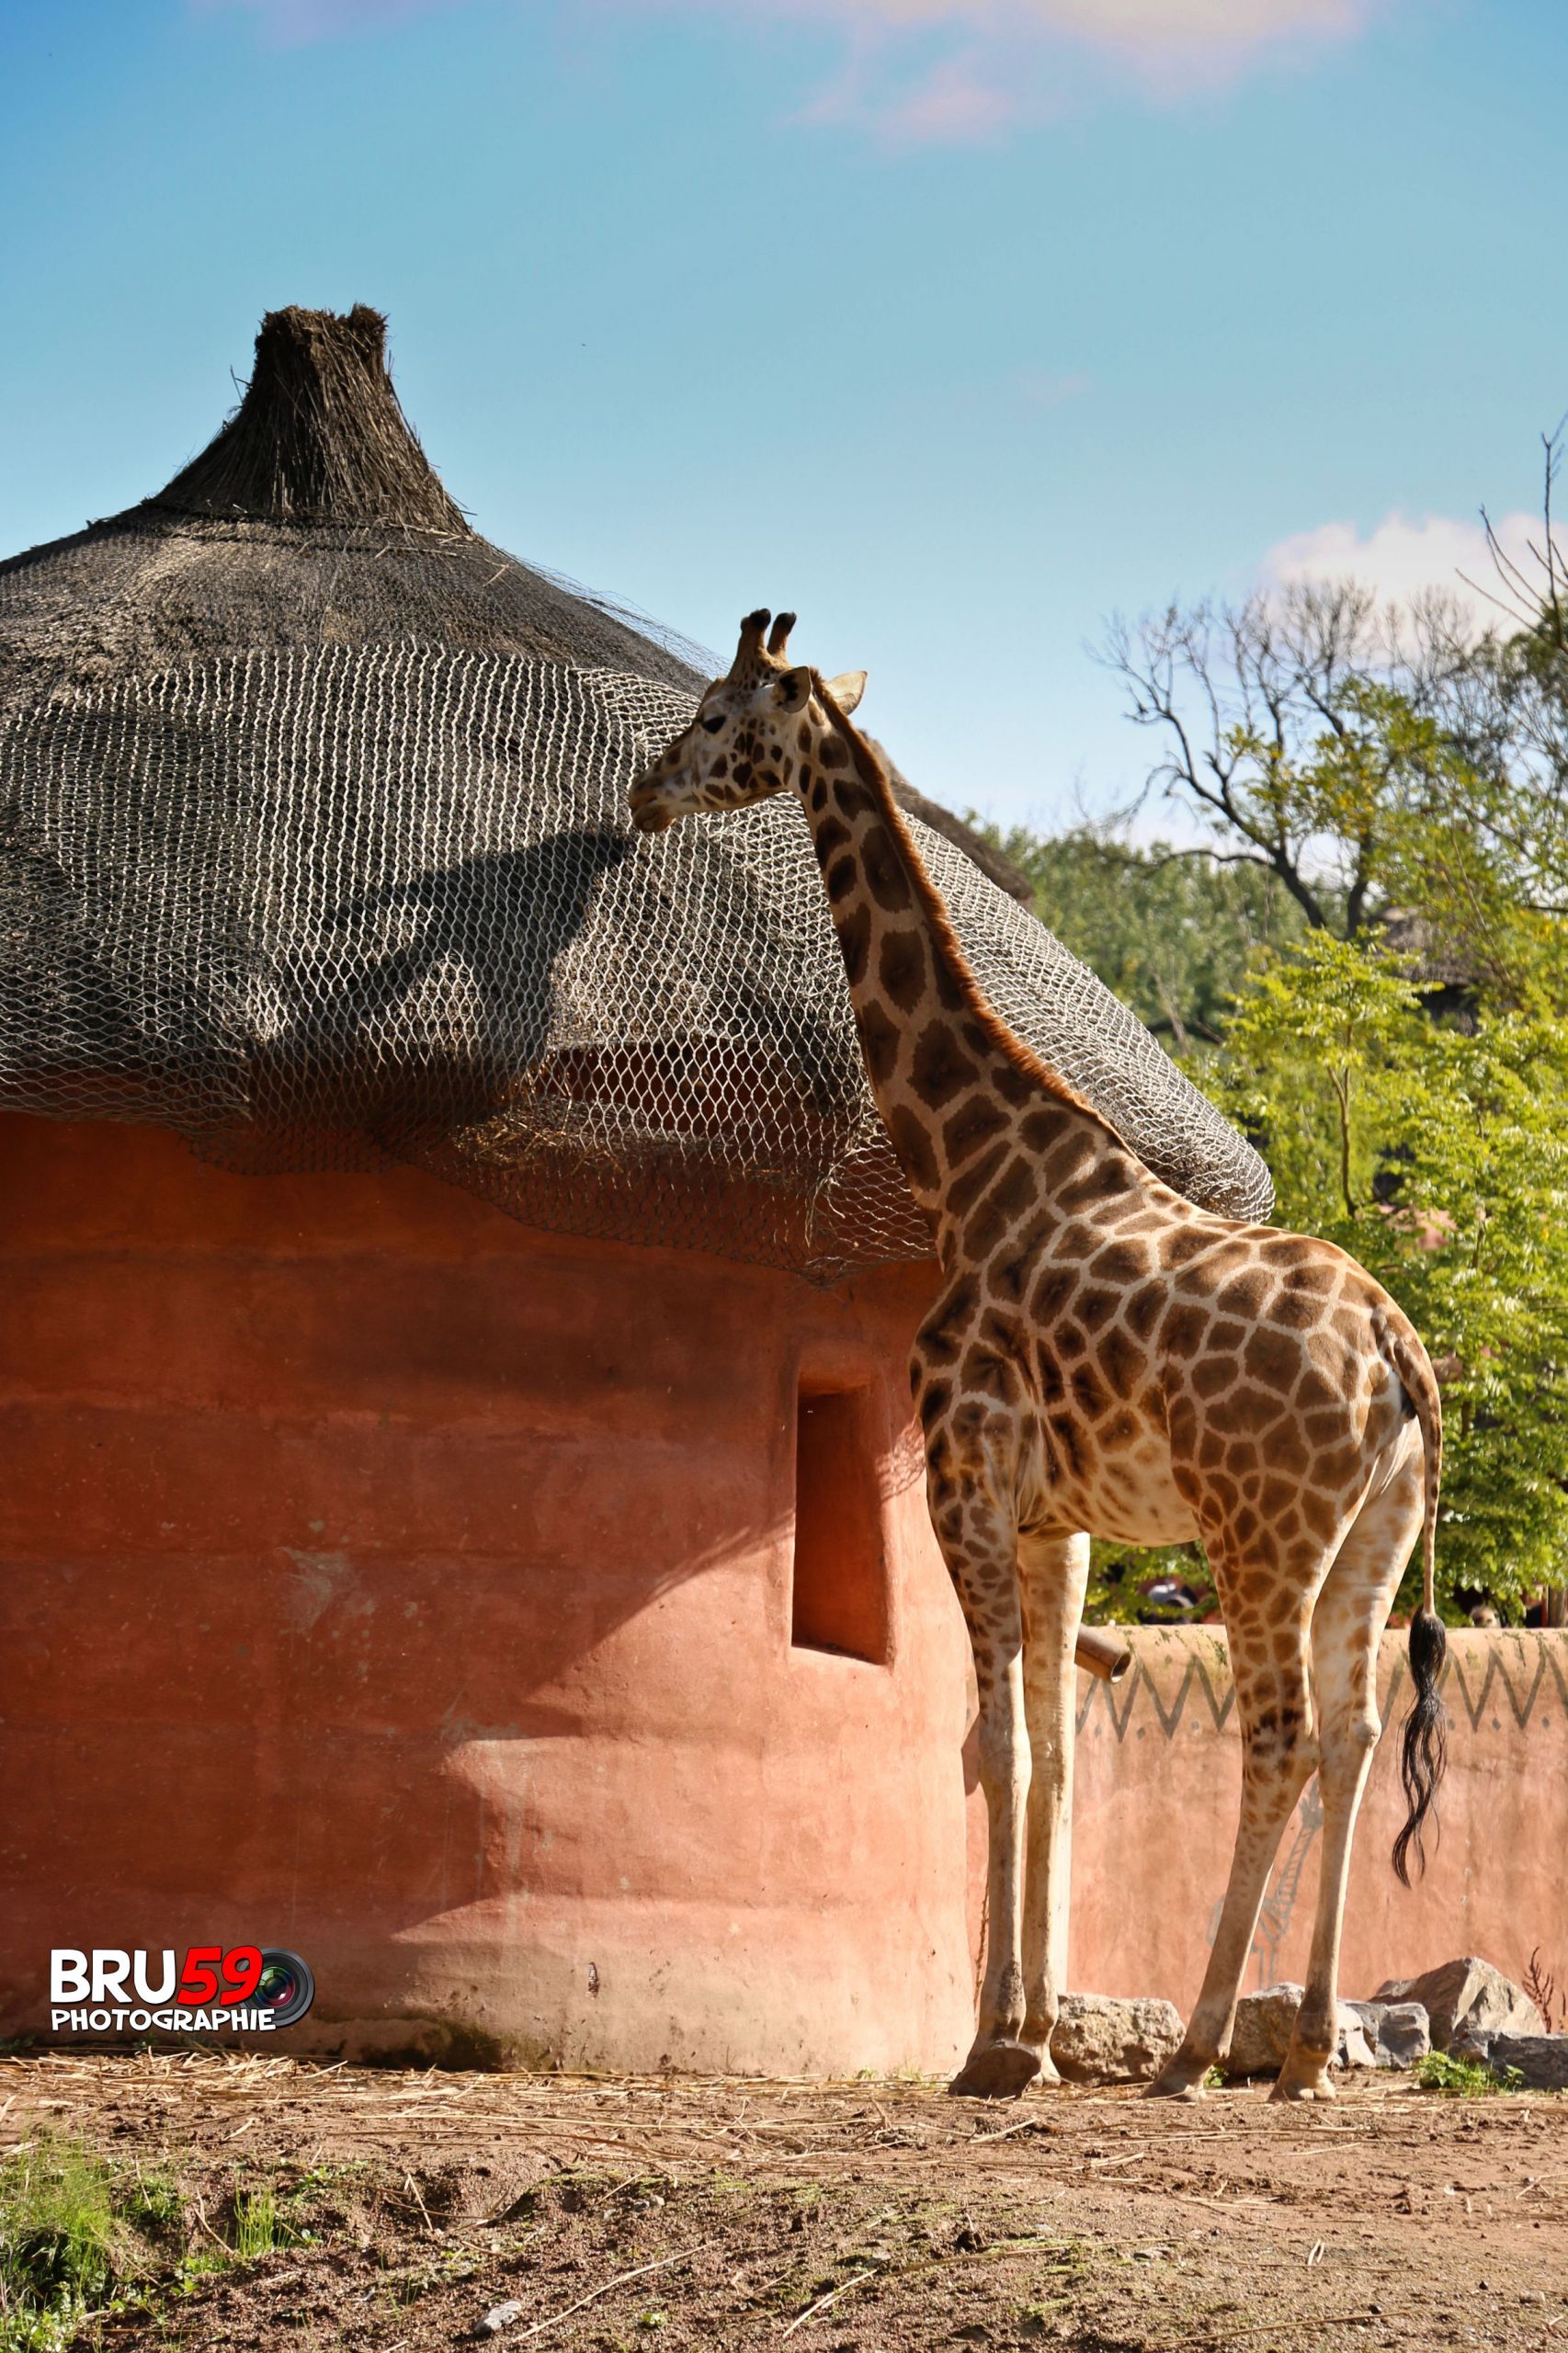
(287, 1987)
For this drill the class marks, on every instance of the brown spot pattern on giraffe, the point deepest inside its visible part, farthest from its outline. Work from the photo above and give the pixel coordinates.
(902, 968)
(940, 1068)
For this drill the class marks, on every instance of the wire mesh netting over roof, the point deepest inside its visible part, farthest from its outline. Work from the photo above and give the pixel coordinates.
(314, 846)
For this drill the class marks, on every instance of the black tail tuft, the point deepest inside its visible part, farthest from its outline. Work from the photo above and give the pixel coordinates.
(1426, 1746)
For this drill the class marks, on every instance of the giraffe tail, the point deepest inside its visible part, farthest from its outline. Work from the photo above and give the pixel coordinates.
(1425, 1745)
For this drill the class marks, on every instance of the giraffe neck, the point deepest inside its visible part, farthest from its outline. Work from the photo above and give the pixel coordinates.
(957, 1091)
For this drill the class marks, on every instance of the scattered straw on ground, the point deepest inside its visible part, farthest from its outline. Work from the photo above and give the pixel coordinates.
(868, 2217)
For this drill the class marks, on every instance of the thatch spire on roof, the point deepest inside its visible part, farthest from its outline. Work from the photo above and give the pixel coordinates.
(319, 437)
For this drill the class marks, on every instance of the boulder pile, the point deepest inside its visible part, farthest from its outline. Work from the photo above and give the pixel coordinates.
(1464, 2006)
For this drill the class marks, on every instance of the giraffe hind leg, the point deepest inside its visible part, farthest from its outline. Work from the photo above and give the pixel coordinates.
(1350, 1615)
(1278, 1757)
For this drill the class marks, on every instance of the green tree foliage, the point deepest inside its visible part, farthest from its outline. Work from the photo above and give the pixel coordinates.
(1436, 1156)
(1365, 958)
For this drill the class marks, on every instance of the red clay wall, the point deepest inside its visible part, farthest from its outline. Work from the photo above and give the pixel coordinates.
(389, 1582)
(1159, 1777)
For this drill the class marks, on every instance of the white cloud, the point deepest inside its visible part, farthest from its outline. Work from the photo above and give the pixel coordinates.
(1133, 26)
(961, 72)
(1009, 58)
(954, 100)
(1404, 555)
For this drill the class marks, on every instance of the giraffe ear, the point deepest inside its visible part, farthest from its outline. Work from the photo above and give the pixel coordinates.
(793, 690)
(846, 689)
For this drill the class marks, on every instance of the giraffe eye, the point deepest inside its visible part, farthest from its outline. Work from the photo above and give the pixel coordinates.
(714, 724)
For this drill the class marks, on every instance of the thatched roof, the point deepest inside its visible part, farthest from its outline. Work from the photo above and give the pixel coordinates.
(314, 842)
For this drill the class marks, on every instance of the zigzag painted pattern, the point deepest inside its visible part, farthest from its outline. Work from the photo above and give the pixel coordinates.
(1520, 1671)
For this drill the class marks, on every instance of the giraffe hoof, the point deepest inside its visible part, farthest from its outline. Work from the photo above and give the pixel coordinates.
(1181, 2077)
(998, 2070)
(1295, 2087)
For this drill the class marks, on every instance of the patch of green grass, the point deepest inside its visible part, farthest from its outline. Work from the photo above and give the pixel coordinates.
(284, 2213)
(1464, 2078)
(197, 2265)
(256, 2225)
(81, 2237)
(1034, 2318)
(1214, 2079)
(155, 2204)
(730, 2185)
(58, 2244)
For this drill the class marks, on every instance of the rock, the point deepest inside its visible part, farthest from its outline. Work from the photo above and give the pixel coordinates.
(1404, 2033)
(1265, 2023)
(500, 2316)
(1467, 1996)
(1541, 2060)
(1399, 2033)
(1101, 2039)
(1262, 2033)
(1356, 2047)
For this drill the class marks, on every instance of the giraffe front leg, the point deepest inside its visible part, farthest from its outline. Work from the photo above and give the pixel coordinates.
(1000, 2063)
(1053, 1571)
(971, 1438)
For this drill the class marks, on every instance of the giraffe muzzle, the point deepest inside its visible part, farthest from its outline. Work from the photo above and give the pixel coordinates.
(649, 814)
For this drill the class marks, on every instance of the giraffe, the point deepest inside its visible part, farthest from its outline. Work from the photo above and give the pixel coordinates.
(1104, 1357)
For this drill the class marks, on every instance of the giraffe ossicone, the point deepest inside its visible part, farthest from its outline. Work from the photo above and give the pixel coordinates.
(1104, 1357)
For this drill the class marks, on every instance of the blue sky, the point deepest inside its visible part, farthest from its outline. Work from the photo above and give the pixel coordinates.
(954, 324)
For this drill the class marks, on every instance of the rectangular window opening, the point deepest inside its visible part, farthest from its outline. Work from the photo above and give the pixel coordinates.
(839, 1593)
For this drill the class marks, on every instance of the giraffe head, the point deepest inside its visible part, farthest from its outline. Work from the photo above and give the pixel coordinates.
(745, 742)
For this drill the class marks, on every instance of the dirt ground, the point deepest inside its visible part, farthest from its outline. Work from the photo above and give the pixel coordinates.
(394, 2210)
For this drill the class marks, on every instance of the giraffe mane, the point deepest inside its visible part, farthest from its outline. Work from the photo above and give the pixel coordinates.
(1024, 1058)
